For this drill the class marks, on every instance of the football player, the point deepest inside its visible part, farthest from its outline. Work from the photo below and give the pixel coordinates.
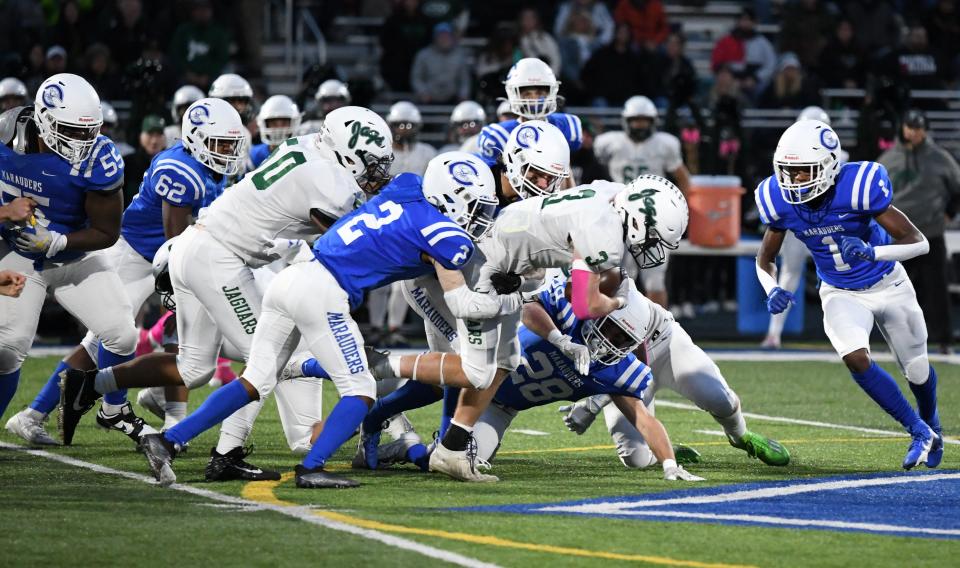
(532, 93)
(53, 154)
(396, 235)
(179, 182)
(466, 120)
(237, 91)
(109, 127)
(331, 95)
(842, 213)
(305, 186)
(13, 93)
(641, 149)
(182, 99)
(277, 121)
(591, 358)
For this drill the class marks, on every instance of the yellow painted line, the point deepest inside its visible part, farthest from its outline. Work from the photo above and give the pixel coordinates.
(709, 443)
(263, 492)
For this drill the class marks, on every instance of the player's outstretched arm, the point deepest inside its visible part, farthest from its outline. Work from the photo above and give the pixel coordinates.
(464, 303)
(656, 436)
(537, 320)
(104, 209)
(585, 295)
(908, 241)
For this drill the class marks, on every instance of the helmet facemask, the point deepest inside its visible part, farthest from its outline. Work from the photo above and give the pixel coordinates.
(222, 154)
(374, 172)
(275, 135)
(404, 132)
(608, 341)
(73, 142)
(804, 181)
(638, 133)
(533, 107)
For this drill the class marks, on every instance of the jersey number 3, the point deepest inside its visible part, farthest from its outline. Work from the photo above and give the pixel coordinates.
(350, 231)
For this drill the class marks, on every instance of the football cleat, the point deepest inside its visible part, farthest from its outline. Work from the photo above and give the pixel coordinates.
(125, 421)
(462, 465)
(379, 362)
(367, 456)
(294, 367)
(770, 452)
(159, 453)
(77, 397)
(153, 399)
(397, 426)
(685, 454)
(319, 478)
(28, 426)
(395, 452)
(936, 450)
(231, 465)
(919, 450)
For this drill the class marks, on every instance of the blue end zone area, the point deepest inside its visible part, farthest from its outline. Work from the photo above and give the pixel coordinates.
(918, 504)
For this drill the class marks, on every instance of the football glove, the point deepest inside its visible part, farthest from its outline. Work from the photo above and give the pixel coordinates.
(779, 300)
(581, 414)
(577, 353)
(283, 249)
(506, 282)
(37, 239)
(623, 291)
(853, 248)
(675, 472)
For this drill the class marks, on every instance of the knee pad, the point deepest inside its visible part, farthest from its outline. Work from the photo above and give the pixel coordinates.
(90, 345)
(636, 456)
(480, 377)
(722, 404)
(917, 370)
(194, 373)
(11, 358)
(120, 340)
(357, 385)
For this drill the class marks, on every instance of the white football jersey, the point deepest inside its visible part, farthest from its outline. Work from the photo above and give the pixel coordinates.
(471, 145)
(412, 159)
(626, 159)
(274, 201)
(543, 232)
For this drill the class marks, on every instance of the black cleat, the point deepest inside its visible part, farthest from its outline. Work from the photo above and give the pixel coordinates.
(379, 363)
(231, 466)
(319, 478)
(159, 453)
(77, 397)
(125, 421)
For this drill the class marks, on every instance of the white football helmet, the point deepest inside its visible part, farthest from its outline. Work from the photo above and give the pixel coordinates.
(539, 146)
(68, 116)
(531, 72)
(361, 142)
(13, 93)
(467, 119)
(405, 121)
(611, 338)
(814, 113)
(806, 161)
(278, 107)
(183, 98)
(332, 95)
(504, 112)
(654, 215)
(236, 90)
(109, 114)
(213, 133)
(638, 107)
(161, 274)
(462, 187)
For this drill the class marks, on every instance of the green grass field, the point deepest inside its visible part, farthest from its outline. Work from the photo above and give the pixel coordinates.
(54, 513)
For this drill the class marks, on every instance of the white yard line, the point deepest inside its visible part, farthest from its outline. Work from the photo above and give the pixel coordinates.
(785, 420)
(528, 432)
(302, 513)
(628, 508)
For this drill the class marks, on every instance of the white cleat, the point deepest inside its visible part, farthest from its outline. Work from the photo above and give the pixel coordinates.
(28, 424)
(294, 367)
(397, 426)
(462, 466)
(153, 399)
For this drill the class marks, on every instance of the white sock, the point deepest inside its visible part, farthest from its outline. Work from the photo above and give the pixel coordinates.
(464, 426)
(394, 364)
(733, 425)
(105, 381)
(111, 409)
(236, 428)
(173, 413)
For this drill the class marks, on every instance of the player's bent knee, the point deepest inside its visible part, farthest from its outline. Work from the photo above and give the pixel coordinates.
(480, 378)
(917, 370)
(11, 358)
(636, 456)
(858, 361)
(357, 385)
(120, 341)
(195, 375)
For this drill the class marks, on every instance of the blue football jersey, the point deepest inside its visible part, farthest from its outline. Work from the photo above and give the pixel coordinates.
(258, 154)
(494, 136)
(547, 375)
(179, 179)
(59, 187)
(862, 191)
(385, 239)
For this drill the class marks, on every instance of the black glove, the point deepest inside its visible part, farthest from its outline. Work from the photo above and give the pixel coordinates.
(506, 283)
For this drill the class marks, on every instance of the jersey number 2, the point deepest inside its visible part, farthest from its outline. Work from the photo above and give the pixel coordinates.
(350, 231)
(838, 262)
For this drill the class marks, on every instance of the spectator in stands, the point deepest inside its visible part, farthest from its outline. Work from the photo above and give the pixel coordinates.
(842, 62)
(916, 64)
(453, 12)
(597, 12)
(613, 73)
(584, 165)
(55, 61)
(441, 72)
(790, 88)
(200, 47)
(36, 60)
(748, 53)
(647, 20)
(71, 29)
(726, 139)
(151, 142)
(681, 87)
(926, 183)
(886, 99)
(99, 72)
(577, 41)
(402, 35)
(534, 42)
(21, 25)
(495, 61)
(943, 27)
(125, 31)
(806, 28)
(876, 24)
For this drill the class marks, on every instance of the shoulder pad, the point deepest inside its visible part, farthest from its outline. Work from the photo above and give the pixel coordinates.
(18, 131)
(870, 189)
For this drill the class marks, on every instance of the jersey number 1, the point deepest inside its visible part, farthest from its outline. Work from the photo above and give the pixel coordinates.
(350, 231)
(838, 262)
